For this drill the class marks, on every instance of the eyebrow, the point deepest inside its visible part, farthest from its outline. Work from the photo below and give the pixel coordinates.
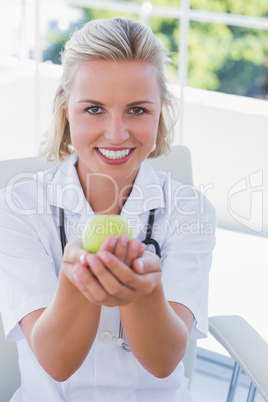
(102, 104)
(91, 101)
(139, 103)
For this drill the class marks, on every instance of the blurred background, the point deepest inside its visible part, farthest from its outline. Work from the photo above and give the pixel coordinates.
(220, 74)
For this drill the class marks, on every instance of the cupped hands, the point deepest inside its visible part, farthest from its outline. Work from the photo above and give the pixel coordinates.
(120, 273)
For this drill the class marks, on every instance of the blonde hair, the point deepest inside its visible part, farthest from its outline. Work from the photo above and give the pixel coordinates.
(117, 39)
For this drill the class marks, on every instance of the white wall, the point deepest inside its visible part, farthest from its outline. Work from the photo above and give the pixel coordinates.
(23, 119)
(228, 139)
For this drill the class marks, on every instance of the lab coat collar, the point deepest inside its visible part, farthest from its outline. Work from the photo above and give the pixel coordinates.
(147, 192)
(67, 193)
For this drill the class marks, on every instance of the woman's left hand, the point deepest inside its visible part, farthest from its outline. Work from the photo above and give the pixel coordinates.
(120, 273)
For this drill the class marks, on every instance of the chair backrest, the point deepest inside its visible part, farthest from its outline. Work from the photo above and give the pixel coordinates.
(9, 368)
(177, 163)
(12, 171)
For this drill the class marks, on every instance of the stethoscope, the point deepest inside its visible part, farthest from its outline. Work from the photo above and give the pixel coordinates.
(148, 241)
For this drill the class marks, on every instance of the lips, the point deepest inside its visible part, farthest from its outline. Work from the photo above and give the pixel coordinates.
(115, 156)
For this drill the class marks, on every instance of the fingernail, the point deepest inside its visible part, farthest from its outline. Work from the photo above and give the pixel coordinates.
(105, 257)
(124, 239)
(113, 241)
(143, 246)
(141, 266)
(134, 246)
(82, 259)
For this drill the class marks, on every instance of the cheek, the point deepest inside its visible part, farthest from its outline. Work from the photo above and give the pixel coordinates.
(80, 131)
(149, 129)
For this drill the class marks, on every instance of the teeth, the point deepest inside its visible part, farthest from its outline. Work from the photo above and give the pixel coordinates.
(114, 154)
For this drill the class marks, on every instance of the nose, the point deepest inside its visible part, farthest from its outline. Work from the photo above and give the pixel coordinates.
(116, 131)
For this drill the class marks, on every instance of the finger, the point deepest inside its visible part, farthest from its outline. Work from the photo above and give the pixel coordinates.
(111, 284)
(79, 271)
(121, 247)
(148, 263)
(136, 283)
(142, 248)
(133, 251)
(138, 265)
(114, 275)
(73, 253)
(88, 284)
(109, 244)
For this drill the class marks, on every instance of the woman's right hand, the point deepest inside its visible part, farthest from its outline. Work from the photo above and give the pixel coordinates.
(73, 261)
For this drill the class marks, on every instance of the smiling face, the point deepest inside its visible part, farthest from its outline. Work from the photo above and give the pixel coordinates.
(113, 112)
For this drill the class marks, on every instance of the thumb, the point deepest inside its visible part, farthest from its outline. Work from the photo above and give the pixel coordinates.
(149, 262)
(74, 252)
(138, 265)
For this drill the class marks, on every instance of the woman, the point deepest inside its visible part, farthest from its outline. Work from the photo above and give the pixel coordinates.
(112, 110)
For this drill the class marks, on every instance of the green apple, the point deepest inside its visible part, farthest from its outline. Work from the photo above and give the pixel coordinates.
(99, 227)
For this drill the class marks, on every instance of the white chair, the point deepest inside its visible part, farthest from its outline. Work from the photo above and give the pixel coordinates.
(245, 346)
(13, 171)
(179, 165)
(9, 369)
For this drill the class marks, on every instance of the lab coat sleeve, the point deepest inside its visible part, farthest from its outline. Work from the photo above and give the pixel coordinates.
(27, 272)
(189, 239)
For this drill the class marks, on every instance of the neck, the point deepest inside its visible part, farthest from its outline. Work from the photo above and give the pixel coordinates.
(105, 195)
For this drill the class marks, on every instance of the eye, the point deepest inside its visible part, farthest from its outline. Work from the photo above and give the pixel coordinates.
(138, 110)
(94, 110)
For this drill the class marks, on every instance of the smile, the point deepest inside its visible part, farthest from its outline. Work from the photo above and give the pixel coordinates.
(114, 154)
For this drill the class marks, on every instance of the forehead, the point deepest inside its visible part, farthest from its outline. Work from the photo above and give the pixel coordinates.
(124, 78)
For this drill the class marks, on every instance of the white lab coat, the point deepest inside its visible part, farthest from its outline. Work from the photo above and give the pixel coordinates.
(30, 259)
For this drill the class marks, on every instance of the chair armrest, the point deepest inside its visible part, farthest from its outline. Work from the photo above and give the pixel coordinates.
(245, 346)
